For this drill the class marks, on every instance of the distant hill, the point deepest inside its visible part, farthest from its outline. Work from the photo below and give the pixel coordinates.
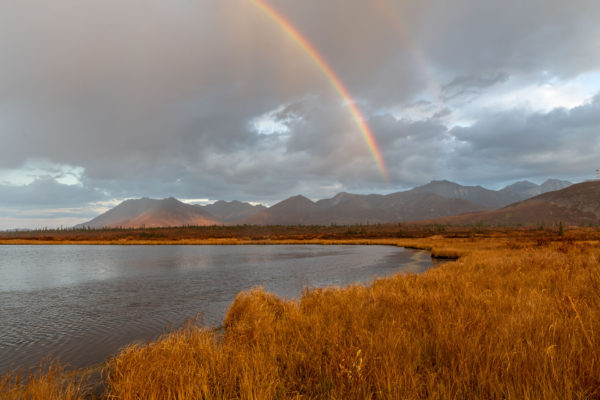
(525, 189)
(437, 199)
(292, 211)
(578, 204)
(233, 210)
(492, 199)
(485, 198)
(345, 209)
(152, 213)
(433, 200)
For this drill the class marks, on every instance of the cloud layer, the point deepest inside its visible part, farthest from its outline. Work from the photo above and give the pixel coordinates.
(157, 98)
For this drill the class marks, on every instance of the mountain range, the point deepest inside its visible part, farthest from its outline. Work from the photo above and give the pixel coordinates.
(578, 204)
(435, 200)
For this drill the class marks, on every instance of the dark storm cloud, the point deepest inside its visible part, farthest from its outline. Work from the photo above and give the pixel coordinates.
(471, 86)
(557, 143)
(47, 193)
(158, 98)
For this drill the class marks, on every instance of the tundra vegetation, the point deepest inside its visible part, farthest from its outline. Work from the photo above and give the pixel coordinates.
(517, 316)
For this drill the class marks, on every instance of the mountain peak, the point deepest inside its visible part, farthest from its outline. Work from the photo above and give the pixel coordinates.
(231, 211)
(341, 195)
(554, 184)
(300, 197)
(526, 189)
(145, 212)
(295, 201)
(440, 182)
(171, 200)
(520, 186)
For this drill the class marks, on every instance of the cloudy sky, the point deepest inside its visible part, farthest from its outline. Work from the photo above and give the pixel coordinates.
(103, 100)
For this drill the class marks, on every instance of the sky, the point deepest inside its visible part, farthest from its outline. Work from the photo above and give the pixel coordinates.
(104, 100)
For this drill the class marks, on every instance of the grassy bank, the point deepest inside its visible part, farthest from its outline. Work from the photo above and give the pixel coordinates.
(517, 316)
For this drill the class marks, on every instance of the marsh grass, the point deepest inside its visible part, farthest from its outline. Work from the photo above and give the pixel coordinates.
(511, 321)
(513, 318)
(49, 382)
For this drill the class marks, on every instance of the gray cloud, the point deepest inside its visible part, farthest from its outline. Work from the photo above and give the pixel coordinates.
(513, 37)
(155, 98)
(48, 193)
(471, 86)
(561, 142)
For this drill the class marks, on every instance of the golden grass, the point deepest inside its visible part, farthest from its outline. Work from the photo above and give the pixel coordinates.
(49, 383)
(513, 318)
(509, 320)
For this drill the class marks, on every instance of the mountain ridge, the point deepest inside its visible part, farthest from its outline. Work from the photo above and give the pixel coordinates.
(578, 204)
(436, 199)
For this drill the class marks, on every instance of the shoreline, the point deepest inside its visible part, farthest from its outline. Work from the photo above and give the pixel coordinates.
(436, 253)
(408, 243)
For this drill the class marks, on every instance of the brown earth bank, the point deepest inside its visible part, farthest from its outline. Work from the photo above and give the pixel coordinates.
(517, 316)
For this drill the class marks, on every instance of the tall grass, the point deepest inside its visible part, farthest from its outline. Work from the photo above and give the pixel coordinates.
(49, 383)
(509, 320)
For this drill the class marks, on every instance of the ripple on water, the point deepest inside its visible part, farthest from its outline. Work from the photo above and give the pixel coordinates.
(83, 303)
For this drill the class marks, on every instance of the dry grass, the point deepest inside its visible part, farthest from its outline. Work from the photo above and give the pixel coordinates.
(510, 320)
(513, 318)
(49, 383)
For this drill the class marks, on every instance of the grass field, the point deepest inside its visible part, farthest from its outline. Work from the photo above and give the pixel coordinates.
(516, 317)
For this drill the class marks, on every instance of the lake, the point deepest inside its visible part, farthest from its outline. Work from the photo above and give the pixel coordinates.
(82, 303)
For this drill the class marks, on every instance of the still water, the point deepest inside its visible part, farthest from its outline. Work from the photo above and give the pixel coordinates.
(82, 303)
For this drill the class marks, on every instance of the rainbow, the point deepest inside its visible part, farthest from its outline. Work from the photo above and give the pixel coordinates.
(331, 76)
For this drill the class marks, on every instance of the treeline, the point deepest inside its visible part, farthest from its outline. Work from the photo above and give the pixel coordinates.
(284, 232)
